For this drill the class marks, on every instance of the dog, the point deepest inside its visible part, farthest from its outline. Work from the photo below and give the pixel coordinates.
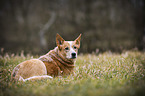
(57, 62)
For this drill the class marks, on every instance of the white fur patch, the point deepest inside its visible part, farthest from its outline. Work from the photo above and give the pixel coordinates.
(71, 50)
(35, 77)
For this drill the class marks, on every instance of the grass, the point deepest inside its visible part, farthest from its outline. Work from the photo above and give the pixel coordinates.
(104, 74)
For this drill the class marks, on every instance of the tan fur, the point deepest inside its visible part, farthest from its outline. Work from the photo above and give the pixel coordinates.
(29, 68)
(54, 63)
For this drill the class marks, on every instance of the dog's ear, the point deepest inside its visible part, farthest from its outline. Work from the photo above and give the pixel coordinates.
(77, 41)
(59, 40)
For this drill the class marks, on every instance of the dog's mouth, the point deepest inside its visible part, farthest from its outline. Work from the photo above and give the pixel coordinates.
(73, 57)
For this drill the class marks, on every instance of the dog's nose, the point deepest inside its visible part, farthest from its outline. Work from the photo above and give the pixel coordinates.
(73, 55)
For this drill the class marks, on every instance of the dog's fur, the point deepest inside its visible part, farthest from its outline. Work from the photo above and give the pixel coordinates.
(57, 62)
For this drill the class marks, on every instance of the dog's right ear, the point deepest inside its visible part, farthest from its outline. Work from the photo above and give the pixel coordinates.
(59, 40)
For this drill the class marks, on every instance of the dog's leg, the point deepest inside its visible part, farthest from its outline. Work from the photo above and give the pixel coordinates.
(35, 78)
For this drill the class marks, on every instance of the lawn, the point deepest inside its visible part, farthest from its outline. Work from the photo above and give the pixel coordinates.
(104, 74)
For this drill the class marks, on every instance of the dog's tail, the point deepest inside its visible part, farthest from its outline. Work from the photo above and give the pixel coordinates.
(35, 78)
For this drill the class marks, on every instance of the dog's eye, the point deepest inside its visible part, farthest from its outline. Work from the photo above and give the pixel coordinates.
(75, 47)
(66, 48)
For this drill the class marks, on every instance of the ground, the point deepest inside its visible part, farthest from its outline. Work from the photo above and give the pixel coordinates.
(100, 74)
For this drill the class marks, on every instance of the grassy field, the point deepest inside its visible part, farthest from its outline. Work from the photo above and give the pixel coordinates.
(105, 74)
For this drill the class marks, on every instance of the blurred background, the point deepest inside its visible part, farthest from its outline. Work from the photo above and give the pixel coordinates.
(31, 25)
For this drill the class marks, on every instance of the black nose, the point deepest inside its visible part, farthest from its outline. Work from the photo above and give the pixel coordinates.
(73, 55)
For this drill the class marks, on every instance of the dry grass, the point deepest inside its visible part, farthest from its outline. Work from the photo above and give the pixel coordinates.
(104, 74)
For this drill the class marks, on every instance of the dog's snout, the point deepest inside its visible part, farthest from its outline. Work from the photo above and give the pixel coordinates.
(73, 55)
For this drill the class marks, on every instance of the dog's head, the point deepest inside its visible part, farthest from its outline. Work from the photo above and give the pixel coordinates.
(68, 49)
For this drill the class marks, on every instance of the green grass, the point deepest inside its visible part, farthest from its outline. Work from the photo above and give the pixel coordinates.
(94, 75)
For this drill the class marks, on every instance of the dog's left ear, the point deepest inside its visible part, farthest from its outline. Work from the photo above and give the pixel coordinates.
(77, 41)
(59, 40)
